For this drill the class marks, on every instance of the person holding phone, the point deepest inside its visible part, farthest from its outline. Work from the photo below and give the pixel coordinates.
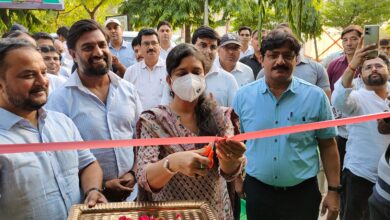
(365, 144)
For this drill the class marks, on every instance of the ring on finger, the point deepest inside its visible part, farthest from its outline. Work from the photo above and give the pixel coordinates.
(202, 166)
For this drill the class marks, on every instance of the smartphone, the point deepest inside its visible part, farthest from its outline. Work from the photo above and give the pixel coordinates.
(371, 36)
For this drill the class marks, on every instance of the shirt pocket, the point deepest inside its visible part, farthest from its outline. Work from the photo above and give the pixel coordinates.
(68, 162)
(301, 139)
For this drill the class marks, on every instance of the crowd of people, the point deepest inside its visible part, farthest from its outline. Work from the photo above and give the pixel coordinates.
(90, 84)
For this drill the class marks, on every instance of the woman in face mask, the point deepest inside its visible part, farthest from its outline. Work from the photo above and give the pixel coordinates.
(189, 171)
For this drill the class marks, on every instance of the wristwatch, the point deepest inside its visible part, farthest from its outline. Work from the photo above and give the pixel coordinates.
(337, 189)
(166, 166)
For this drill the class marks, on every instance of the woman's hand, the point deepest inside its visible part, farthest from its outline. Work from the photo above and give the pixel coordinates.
(231, 155)
(230, 150)
(189, 163)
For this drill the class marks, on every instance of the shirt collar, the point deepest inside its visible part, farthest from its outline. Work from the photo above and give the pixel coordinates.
(292, 87)
(75, 81)
(302, 59)
(343, 59)
(235, 69)
(213, 70)
(10, 119)
(160, 63)
(123, 45)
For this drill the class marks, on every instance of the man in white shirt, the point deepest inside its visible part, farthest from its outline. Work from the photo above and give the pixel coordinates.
(136, 44)
(121, 50)
(149, 75)
(219, 83)
(164, 30)
(62, 34)
(38, 185)
(229, 53)
(365, 145)
(102, 105)
(245, 34)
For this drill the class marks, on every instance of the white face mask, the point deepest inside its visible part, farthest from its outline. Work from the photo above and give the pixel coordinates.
(189, 87)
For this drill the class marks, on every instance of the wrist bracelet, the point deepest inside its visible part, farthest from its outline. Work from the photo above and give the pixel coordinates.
(350, 67)
(133, 173)
(166, 166)
(92, 189)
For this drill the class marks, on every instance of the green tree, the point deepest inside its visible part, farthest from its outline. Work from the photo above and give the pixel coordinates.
(25, 17)
(180, 12)
(341, 13)
(49, 20)
(302, 15)
(82, 9)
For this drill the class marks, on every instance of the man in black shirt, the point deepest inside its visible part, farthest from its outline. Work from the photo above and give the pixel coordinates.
(253, 60)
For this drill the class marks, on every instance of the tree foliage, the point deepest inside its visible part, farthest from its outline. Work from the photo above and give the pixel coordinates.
(180, 12)
(341, 13)
(49, 20)
(25, 17)
(302, 15)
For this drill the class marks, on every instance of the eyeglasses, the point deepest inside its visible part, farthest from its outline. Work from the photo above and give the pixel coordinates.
(46, 49)
(377, 66)
(148, 43)
(275, 56)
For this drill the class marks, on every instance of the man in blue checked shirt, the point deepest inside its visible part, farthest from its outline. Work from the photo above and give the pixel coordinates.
(38, 185)
(102, 105)
(281, 171)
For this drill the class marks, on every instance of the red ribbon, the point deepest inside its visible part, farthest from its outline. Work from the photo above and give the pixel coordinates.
(55, 146)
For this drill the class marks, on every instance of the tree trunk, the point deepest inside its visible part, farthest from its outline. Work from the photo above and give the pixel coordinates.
(206, 12)
(315, 48)
(5, 17)
(187, 29)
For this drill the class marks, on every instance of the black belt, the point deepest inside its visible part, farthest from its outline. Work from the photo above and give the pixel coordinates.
(308, 182)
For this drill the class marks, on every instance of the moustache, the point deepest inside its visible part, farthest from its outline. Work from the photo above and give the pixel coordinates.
(105, 58)
(280, 67)
(150, 50)
(38, 89)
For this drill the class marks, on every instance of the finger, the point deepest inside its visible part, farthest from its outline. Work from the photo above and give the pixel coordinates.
(130, 184)
(366, 52)
(332, 215)
(360, 45)
(199, 151)
(102, 199)
(229, 152)
(200, 172)
(221, 148)
(323, 209)
(125, 189)
(202, 160)
(123, 181)
(222, 156)
(91, 201)
(236, 146)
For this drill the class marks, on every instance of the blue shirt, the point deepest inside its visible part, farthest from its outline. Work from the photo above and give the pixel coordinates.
(41, 185)
(113, 120)
(125, 54)
(284, 160)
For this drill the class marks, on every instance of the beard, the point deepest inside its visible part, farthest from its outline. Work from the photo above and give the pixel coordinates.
(99, 70)
(372, 81)
(27, 103)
